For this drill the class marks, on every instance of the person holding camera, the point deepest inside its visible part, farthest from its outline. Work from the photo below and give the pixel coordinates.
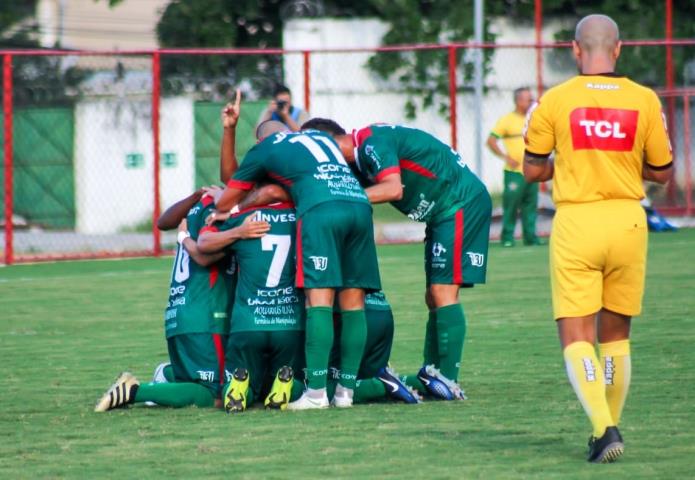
(281, 109)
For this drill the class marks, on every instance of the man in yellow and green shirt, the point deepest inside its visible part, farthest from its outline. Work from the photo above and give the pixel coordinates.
(519, 196)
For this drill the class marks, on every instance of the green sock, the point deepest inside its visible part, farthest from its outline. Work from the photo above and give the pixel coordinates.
(431, 352)
(168, 373)
(451, 331)
(352, 340)
(413, 382)
(319, 340)
(175, 394)
(369, 390)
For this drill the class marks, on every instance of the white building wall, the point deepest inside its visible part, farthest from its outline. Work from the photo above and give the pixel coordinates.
(110, 197)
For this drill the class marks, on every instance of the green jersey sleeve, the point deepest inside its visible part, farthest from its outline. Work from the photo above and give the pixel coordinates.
(377, 159)
(252, 169)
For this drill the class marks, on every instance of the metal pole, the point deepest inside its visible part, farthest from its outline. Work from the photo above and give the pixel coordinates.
(478, 81)
(7, 110)
(156, 238)
(307, 80)
(670, 100)
(538, 22)
(452, 96)
(686, 157)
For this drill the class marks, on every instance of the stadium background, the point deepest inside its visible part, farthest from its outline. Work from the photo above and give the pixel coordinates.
(82, 127)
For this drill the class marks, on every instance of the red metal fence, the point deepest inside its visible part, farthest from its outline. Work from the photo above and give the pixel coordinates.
(95, 143)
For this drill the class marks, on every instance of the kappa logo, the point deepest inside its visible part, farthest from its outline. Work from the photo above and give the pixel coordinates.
(320, 263)
(438, 249)
(477, 259)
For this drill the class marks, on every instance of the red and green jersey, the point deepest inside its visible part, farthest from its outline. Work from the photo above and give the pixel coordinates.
(198, 296)
(266, 298)
(436, 181)
(308, 163)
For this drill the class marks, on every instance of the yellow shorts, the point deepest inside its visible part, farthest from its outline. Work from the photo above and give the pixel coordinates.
(598, 255)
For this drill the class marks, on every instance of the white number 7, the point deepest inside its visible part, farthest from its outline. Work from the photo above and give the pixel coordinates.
(283, 243)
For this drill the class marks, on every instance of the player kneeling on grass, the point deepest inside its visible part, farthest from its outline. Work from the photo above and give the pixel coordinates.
(196, 320)
(375, 379)
(266, 339)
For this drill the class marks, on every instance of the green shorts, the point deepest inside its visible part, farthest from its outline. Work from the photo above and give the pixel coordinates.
(335, 247)
(264, 353)
(200, 358)
(456, 247)
(377, 350)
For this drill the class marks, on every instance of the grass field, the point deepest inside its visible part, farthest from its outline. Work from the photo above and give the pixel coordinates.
(67, 329)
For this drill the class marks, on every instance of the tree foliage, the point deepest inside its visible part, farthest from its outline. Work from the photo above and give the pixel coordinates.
(36, 80)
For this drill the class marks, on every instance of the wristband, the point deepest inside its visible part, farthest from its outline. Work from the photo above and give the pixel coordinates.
(183, 236)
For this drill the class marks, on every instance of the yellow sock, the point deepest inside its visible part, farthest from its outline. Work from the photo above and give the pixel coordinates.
(586, 376)
(617, 368)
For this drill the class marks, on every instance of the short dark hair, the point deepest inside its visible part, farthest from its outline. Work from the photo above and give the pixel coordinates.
(325, 125)
(518, 91)
(280, 88)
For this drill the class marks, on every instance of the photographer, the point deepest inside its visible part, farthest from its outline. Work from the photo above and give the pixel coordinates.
(281, 109)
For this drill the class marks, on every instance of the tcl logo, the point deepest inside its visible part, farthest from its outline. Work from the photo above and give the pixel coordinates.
(608, 129)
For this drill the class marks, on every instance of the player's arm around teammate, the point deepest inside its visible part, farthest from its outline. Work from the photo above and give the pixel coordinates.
(608, 134)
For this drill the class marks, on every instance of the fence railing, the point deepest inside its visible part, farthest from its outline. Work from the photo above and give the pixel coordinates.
(96, 144)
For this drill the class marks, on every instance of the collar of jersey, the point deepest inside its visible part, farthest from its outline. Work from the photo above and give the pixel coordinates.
(605, 74)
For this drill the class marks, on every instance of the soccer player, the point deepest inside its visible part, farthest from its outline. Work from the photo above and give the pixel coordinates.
(608, 134)
(427, 181)
(196, 320)
(519, 196)
(335, 247)
(267, 324)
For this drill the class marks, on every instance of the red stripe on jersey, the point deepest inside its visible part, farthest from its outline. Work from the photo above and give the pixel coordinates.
(208, 228)
(272, 206)
(386, 172)
(240, 184)
(359, 136)
(214, 273)
(285, 181)
(605, 129)
(299, 277)
(458, 247)
(207, 200)
(219, 350)
(417, 168)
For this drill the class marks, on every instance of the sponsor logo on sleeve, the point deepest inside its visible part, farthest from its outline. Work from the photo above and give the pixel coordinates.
(606, 129)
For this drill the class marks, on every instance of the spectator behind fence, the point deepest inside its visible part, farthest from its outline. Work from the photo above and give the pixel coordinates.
(519, 196)
(281, 109)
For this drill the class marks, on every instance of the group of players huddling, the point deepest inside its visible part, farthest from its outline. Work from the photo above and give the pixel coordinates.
(275, 292)
(239, 304)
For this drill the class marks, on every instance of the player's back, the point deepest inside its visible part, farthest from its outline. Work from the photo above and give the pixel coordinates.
(602, 127)
(266, 298)
(435, 178)
(198, 296)
(310, 164)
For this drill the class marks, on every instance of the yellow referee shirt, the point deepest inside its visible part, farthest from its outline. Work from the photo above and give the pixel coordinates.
(510, 130)
(602, 128)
